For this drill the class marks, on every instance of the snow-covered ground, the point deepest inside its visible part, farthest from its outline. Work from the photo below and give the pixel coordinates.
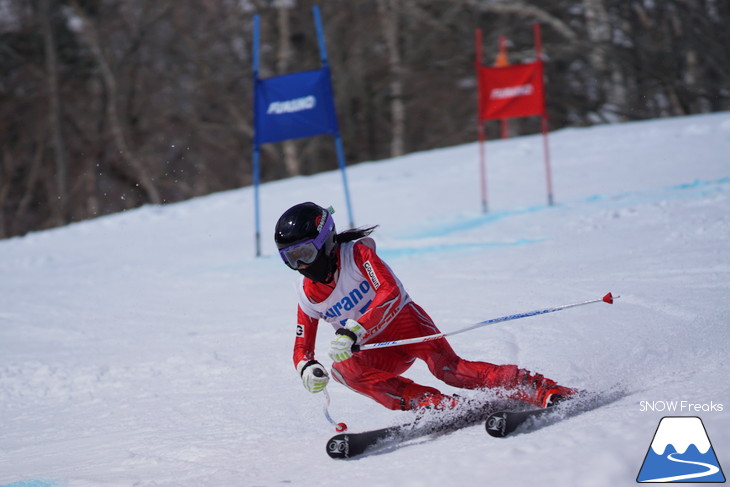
(151, 348)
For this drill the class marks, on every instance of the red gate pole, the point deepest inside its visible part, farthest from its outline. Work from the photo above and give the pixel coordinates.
(544, 120)
(480, 124)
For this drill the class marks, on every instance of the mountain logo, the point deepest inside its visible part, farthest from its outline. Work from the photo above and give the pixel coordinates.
(681, 452)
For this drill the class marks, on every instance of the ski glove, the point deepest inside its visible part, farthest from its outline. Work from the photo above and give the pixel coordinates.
(341, 347)
(314, 375)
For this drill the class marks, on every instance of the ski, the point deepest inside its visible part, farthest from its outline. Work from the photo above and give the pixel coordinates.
(503, 423)
(501, 419)
(352, 445)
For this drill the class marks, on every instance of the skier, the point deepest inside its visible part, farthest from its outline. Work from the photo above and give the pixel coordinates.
(347, 284)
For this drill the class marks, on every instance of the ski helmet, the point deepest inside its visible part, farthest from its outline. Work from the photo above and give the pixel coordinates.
(305, 237)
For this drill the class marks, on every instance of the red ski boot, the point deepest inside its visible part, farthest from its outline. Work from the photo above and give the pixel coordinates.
(539, 390)
(417, 397)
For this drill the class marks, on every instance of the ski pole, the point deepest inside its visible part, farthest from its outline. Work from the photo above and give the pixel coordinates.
(608, 298)
(339, 427)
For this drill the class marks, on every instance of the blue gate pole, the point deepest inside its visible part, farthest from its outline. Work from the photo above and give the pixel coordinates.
(256, 150)
(338, 139)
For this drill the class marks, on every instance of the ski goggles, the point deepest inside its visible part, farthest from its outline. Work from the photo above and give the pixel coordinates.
(305, 253)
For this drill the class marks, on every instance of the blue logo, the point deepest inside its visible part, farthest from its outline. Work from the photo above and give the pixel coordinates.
(681, 452)
(350, 301)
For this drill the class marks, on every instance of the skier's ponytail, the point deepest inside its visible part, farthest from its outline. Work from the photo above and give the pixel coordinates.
(354, 234)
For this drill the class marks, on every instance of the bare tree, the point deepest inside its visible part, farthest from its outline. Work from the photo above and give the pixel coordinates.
(389, 13)
(110, 104)
(90, 35)
(526, 10)
(283, 58)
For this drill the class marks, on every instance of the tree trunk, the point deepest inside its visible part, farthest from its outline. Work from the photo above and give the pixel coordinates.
(388, 13)
(54, 114)
(283, 56)
(31, 181)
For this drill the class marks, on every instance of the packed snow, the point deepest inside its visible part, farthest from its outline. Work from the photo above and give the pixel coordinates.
(152, 348)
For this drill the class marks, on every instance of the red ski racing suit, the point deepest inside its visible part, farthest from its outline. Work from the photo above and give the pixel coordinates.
(366, 290)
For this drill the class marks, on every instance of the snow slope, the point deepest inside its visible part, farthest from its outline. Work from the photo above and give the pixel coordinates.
(151, 348)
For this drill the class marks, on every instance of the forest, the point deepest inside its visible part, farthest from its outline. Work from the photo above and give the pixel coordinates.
(107, 105)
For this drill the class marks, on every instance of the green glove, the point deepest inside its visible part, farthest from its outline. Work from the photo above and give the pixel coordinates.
(314, 375)
(341, 347)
